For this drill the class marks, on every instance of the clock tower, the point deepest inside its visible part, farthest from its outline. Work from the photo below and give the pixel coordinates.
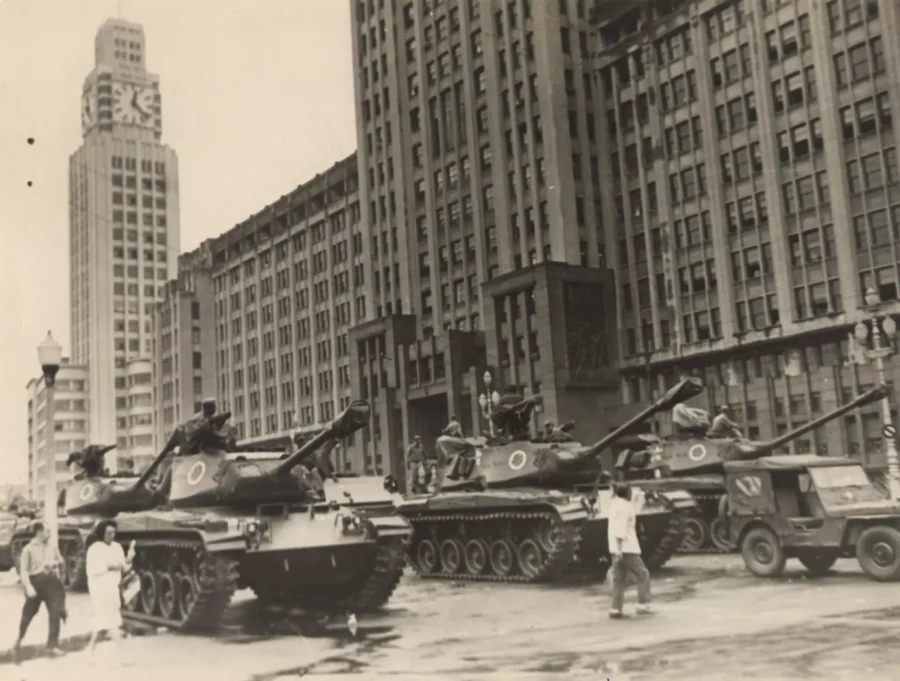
(124, 234)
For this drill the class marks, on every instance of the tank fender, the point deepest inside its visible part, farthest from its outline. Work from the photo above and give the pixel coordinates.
(389, 525)
(857, 525)
(681, 500)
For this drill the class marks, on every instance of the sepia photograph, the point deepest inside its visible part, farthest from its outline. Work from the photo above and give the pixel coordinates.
(449, 339)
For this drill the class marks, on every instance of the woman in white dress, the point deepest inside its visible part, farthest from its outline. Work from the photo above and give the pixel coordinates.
(105, 563)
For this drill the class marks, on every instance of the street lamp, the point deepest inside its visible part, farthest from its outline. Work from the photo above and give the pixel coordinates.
(50, 357)
(488, 400)
(884, 328)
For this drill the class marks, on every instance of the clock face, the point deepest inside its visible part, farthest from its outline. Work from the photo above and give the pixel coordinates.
(87, 109)
(132, 104)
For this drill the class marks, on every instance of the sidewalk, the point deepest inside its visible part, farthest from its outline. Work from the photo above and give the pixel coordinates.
(74, 633)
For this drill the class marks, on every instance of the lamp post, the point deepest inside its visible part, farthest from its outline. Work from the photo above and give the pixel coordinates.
(884, 328)
(50, 357)
(488, 400)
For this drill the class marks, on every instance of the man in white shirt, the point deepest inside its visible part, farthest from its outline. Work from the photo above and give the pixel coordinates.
(626, 550)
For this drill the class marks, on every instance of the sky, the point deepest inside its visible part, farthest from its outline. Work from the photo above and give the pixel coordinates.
(257, 97)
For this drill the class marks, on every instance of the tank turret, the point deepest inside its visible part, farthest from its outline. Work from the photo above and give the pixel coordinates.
(209, 477)
(515, 458)
(673, 457)
(95, 493)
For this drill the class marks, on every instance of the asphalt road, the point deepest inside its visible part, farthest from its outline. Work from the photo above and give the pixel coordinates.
(714, 621)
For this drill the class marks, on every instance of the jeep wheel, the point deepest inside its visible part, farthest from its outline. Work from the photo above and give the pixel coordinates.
(762, 552)
(818, 564)
(878, 553)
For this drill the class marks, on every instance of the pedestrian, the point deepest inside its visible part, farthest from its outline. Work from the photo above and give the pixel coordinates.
(626, 550)
(39, 571)
(105, 564)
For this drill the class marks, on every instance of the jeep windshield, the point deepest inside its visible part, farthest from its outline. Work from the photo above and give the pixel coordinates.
(836, 477)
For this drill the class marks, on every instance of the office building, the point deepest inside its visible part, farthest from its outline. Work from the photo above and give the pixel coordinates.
(124, 236)
(751, 195)
(480, 156)
(288, 283)
(517, 158)
(71, 409)
(184, 342)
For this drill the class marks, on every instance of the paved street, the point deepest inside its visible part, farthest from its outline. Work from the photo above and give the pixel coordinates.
(715, 621)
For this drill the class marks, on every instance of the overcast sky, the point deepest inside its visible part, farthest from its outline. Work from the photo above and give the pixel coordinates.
(257, 98)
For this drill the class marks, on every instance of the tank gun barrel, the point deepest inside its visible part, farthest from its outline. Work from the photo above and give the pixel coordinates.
(680, 392)
(873, 395)
(353, 418)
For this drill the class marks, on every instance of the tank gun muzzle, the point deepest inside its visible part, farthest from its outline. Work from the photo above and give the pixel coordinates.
(353, 418)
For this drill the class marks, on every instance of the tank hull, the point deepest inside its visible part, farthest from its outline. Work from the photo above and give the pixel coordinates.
(191, 562)
(523, 535)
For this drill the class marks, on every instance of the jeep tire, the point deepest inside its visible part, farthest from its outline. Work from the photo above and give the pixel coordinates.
(762, 552)
(878, 553)
(818, 562)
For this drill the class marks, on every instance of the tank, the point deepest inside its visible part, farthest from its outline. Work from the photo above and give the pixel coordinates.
(73, 531)
(217, 519)
(516, 508)
(695, 465)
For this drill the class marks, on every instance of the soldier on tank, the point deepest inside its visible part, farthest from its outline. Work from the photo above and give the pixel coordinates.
(415, 466)
(723, 426)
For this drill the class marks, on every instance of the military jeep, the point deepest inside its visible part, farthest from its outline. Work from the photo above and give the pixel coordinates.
(812, 508)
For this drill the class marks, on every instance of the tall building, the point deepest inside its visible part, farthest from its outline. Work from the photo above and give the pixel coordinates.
(124, 236)
(630, 190)
(480, 155)
(751, 191)
(71, 408)
(287, 285)
(184, 342)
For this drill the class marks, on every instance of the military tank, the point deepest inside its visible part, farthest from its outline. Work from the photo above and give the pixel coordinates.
(516, 508)
(73, 532)
(695, 465)
(219, 519)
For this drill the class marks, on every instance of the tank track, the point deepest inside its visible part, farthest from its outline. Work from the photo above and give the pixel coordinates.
(215, 580)
(378, 587)
(556, 561)
(708, 547)
(669, 544)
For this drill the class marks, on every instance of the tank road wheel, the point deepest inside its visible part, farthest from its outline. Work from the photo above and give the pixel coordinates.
(502, 557)
(548, 535)
(427, 557)
(878, 553)
(168, 595)
(762, 552)
(718, 535)
(530, 559)
(818, 563)
(475, 556)
(149, 591)
(451, 556)
(696, 532)
(186, 588)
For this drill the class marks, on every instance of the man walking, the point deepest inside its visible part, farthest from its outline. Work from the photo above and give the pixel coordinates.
(626, 550)
(39, 568)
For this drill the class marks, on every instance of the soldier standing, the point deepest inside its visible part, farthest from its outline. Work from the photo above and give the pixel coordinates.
(415, 460)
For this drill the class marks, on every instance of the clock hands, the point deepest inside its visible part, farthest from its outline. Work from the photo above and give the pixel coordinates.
(138, 107)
